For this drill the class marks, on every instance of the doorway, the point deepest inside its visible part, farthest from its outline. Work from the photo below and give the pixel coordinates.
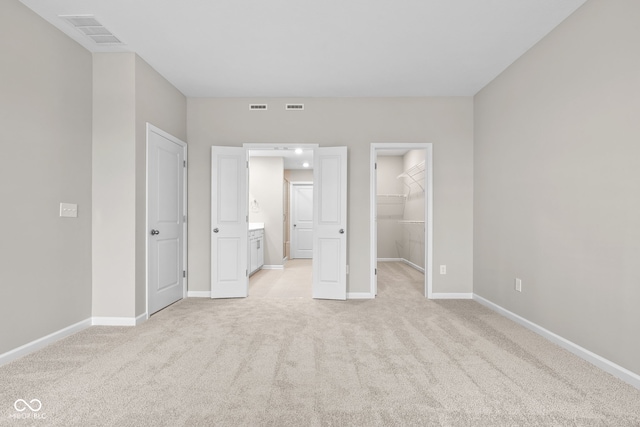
(230, 220)
(401, 208)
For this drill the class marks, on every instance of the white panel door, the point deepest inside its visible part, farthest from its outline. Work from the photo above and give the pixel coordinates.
(165, 219)
(330, 223)
(229, 227)
(302, 221)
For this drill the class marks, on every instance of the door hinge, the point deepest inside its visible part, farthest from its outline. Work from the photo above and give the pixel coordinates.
(375, 271)
(184, 273)
(184, 163)
(246, 273)
(375, 166)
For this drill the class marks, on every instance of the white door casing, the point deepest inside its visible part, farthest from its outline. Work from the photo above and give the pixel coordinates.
(302, 221)
(229, 226)
(166, 234)
(330, 223)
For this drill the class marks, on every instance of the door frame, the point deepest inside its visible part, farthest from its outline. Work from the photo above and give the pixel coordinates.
(151, 128)
(292, 184)
(428, 211)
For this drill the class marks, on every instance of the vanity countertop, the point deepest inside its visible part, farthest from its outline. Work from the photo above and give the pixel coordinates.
(256, 226)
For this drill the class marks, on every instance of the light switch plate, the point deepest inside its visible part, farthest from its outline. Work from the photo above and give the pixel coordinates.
(68, 210)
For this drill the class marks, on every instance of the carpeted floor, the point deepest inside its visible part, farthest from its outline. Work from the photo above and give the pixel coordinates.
(398, 360)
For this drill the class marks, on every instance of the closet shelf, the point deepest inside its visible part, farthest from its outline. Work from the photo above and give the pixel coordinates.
(405, 221)
(414, 174)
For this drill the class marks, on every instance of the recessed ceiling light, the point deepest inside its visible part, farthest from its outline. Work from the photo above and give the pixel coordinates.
(305, 165)
(298, 150)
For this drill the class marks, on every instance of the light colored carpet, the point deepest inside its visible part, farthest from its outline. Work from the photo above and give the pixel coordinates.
(294, 281)
(398, 360)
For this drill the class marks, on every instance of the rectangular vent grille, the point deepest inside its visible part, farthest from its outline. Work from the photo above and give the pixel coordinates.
(257, 106)
(90, 27)
(294, 107)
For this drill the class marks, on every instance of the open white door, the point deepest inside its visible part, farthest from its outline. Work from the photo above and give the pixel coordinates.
(165, 219)
(229, 275)
(330, 223)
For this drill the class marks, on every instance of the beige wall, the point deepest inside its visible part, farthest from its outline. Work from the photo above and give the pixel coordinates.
(45, 148)
(114, 190)
(265, 194)
(557, 183)
(299, 175)
(127, 94)
(157, 102)
(355, 123)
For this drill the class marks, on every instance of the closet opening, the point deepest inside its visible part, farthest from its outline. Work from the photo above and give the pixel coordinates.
(401, 209)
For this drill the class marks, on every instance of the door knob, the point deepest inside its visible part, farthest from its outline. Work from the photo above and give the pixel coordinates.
(295, 225)
(342, 231)
(154, 232)
(215, 230)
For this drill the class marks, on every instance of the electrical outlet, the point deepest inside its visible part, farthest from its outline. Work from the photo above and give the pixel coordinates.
(518, 285)
(443, 269)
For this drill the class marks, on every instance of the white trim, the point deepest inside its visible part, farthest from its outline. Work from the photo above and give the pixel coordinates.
(35, 345)
(414, 266)
(273, 146)
(450, 295)
(152, 128)
(404, 261)
(359, 295)
(606, 365)
(118, 321)
(428, 212)
(199, 294)
(272, 267)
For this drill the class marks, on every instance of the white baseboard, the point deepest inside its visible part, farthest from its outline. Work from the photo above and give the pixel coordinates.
(406, 261)
(596, 360)
(118, 321)
(359, 295)
(272, 267)
(43, 342)
(199, 294)
(445, 295)
(416, 266)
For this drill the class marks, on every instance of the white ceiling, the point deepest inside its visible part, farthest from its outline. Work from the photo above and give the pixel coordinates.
(329, 48)
(291, 159)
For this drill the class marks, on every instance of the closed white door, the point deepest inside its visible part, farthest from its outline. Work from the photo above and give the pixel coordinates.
(302, 221)
(165, 219)
(330, 223)
(229, 226)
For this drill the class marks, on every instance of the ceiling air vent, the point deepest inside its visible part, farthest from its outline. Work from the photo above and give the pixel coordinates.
(294, 107)
(90, 27)
(257, 106)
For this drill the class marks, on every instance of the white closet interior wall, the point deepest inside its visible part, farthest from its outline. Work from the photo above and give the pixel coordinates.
(401, 208)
